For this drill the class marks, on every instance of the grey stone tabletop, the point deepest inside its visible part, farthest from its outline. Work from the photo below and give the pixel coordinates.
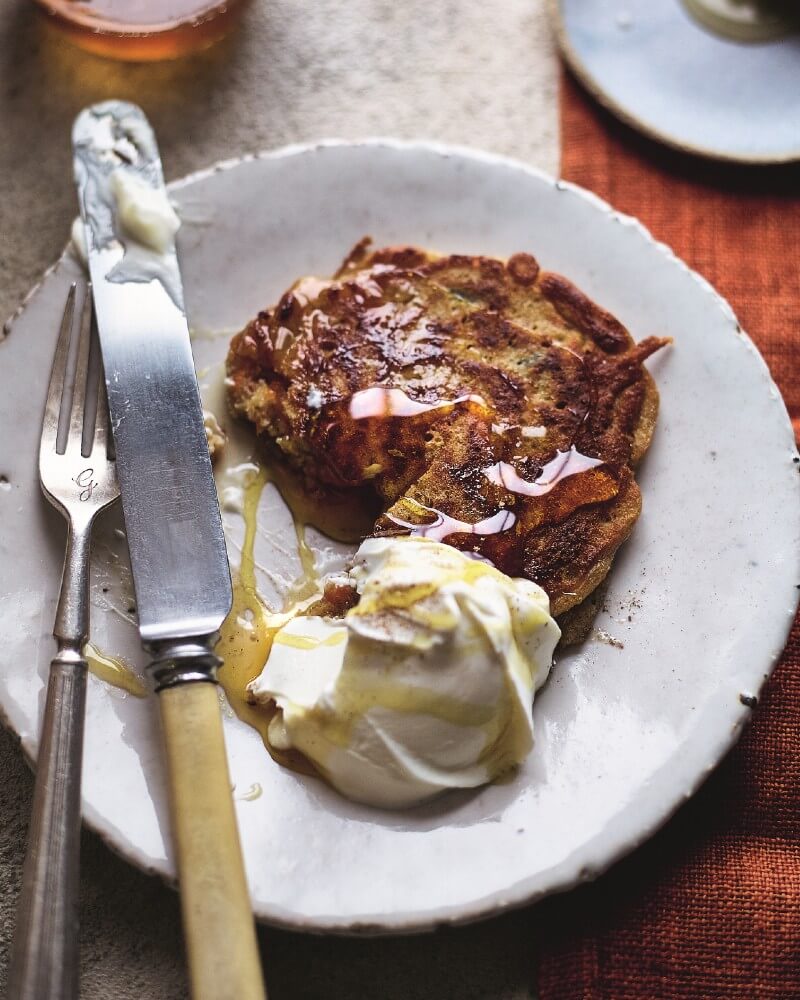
(474, 72)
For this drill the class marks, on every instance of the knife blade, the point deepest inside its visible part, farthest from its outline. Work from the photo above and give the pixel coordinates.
(173, 526)
(177, 548)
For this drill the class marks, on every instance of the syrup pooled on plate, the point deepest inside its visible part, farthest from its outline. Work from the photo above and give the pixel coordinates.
(249, 630)
(345, 516)
(113, 671)
(246, 635)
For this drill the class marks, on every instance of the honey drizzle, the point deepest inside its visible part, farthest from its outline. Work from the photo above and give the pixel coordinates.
(113, 671)
(254, 792)
(565, 464)
(443, 525)
(248, 632)
(390, 401)
(307, 584)
(308, 641)
(246, 636)
(347, 517)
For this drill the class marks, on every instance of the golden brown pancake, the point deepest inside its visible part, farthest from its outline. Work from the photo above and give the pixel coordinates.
(480, 402)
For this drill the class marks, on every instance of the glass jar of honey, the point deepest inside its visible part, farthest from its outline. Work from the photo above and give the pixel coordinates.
(138, 30)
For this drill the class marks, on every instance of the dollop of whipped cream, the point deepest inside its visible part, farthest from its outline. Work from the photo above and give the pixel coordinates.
(426, 684)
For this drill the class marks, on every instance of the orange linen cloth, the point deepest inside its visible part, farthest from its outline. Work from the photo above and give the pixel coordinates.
(710, 908)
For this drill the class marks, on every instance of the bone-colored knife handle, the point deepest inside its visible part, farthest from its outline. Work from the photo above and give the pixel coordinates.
(44, 962)
(219, 929)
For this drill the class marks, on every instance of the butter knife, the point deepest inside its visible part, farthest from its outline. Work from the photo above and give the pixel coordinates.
(172, 520)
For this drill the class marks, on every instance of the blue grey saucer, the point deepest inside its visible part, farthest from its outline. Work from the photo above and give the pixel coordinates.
(667, 73)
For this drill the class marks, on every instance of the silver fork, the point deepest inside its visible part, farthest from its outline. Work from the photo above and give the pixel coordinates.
(80, 481)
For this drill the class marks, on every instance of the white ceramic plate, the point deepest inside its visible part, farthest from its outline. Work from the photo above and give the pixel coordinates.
(701, 598)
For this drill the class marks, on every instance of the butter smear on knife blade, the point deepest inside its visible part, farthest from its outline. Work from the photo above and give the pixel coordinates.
(426, 684)
(145, 214)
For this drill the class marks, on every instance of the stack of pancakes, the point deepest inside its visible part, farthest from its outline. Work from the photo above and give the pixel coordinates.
(484, 403)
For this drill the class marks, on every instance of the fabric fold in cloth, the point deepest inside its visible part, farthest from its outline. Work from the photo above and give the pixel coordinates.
(710, 908)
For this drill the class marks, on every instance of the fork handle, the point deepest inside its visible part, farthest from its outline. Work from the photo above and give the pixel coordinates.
(44, 962)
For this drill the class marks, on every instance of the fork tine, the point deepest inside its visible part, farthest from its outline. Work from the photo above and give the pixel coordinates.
(81, 375)
(52, 408)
